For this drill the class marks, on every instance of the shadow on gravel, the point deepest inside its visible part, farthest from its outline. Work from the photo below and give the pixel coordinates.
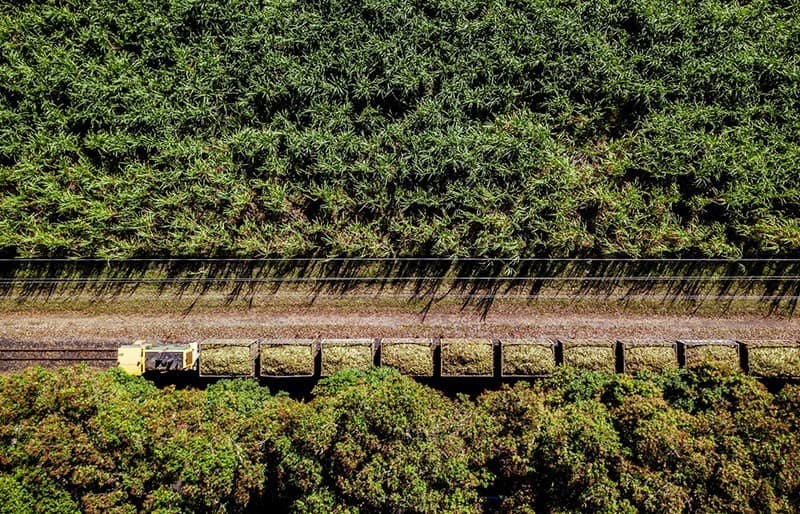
(478, 283)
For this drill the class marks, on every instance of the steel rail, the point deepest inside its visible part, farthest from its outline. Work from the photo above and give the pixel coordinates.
(424, 296)
(531, 278)
(78, 260)
(59, 359)
(50, 354)
(57, 350)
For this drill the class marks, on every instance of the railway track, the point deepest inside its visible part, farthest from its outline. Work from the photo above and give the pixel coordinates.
(14, 356)
(497, 358)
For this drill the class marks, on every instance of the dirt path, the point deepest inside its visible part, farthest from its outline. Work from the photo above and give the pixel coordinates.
(28, 324)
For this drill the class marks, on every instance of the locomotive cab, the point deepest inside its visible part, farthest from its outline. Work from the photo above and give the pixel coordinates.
(141, 357)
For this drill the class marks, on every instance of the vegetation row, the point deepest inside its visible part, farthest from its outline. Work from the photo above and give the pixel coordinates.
(706, 440)
(388, 127)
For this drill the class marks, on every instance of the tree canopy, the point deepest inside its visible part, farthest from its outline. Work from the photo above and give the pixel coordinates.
(706, 440)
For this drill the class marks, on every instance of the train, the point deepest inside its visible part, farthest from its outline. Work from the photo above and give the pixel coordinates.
(444, 358)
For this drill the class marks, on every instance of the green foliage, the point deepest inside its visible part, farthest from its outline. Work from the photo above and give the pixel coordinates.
(30, 491)
(498, 128)
(110, 443)
(621, 444)
(381, 443)
(707, 440)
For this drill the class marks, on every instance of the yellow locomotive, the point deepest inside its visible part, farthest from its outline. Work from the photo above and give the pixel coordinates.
(141, 356)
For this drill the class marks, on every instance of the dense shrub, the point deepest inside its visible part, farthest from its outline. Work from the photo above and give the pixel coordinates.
(377, 443)
(702, 441)
(384, 127)
(708, 441)
(110, 443)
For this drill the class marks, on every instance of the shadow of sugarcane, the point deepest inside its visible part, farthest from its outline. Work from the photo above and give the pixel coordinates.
(477, 283)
